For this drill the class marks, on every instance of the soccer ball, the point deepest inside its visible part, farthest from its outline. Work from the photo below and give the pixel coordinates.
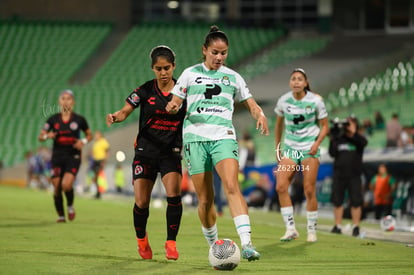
(224, 255)
(388, 223)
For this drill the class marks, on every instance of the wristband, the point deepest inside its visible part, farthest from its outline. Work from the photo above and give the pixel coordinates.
(84, 141)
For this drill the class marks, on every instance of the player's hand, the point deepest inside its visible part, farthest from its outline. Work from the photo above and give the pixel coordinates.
(78, 145)
(51, 135)
(314, 149)
(262, 125)
(110, 119)
(172, 107)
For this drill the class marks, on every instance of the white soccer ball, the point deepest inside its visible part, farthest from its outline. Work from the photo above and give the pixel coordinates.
(388, 223)
(224, 254)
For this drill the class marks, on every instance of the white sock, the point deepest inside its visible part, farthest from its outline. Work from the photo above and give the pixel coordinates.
(312, 217)
(243, 228)
(211, 234)
(287, 214)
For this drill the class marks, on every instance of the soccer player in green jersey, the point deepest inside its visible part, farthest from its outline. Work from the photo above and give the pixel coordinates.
(302, 117)
(209, 135)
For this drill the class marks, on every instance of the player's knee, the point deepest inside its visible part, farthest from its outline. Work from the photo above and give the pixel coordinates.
(281, 188)
(309, 192)
(232, 188)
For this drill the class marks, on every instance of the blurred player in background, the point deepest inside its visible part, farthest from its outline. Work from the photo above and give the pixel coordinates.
(157, 150)
(210, 137)
(302, 117)
(65, 130)
(100, 149)
(383, 186)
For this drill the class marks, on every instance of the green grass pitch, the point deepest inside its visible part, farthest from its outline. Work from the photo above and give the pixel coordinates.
(101, 240)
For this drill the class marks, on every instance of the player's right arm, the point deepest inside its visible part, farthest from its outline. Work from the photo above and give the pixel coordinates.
(279, 126)
(46, 133)
(120, 115)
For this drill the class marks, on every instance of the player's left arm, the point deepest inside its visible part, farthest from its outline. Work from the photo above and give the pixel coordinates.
(257, 113)
(88, 137)
(324, 130)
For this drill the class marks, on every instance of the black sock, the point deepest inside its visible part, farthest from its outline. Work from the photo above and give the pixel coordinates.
(140, 221)
(174, 213)
(69, 197)
(59, 205)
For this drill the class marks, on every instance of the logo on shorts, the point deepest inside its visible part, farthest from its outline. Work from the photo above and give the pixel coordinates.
(138, 170)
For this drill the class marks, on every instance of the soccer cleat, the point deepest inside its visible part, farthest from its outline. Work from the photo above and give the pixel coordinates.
(311, 237)
(336, 230)
(61, 219)
(249, 252)
(291, 234)
(71, 213)
(144, 248)
(171, 252)
(355, 231)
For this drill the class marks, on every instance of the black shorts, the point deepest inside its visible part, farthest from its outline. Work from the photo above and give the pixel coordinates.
(352, 185)
(97, 165)
(148, 168)
(65, 164)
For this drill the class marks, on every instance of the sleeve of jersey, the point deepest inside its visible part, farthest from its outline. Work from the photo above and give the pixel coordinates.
(278, 108)
(322, 113)
(134, 98)
(85, 125)
(48, 125)
(180, 88)
(243, 90)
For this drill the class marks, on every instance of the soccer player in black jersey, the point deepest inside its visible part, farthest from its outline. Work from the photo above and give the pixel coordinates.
(157, 150)
(65, 130)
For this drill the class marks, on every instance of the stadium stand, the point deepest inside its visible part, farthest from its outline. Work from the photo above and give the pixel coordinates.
(283, 53)
(39, 58)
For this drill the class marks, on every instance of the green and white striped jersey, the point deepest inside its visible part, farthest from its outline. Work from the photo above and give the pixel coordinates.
(301, 119)
(210, 101)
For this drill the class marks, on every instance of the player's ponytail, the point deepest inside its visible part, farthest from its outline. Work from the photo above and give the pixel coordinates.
(214, 34)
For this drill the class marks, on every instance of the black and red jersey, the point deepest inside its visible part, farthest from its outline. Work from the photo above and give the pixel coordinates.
(159, 132)
(67, 132)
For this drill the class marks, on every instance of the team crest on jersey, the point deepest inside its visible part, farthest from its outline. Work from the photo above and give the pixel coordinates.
(138, 170)
(225, 80)
(73, 126)
(308, 109)
(183, 90)
(134, 98)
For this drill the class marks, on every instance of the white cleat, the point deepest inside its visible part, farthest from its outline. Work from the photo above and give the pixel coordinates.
(291, 234)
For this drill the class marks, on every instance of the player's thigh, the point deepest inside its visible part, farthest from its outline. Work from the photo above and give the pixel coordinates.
(228, 171)
(142, 192)
(284, 174)
(310, 173)
(197, 157)
(224, 149)
(203, 185)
